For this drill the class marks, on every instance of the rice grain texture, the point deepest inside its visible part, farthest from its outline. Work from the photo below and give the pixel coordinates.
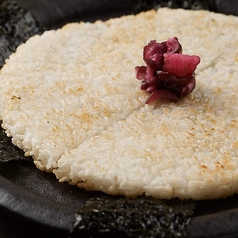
(69, 99)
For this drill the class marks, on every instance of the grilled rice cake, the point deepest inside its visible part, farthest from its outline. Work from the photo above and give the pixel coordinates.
(69, 99)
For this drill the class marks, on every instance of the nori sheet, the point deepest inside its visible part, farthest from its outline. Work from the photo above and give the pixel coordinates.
(142, 217)
(16, 26)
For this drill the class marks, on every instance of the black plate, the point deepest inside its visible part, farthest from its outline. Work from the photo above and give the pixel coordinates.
(34, 204)
(32, 200)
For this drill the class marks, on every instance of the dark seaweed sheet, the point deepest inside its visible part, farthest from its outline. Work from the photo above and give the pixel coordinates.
(96, 214)
(16, 26)
(141, 217)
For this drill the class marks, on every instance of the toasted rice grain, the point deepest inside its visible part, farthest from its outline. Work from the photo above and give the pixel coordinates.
(70, 99)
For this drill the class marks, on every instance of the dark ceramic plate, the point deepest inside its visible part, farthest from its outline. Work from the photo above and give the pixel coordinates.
(34, 204)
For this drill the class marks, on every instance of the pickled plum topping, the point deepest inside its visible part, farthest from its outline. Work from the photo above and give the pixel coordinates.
(168, 73)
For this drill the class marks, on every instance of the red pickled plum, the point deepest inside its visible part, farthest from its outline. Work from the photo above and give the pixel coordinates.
(168, 73)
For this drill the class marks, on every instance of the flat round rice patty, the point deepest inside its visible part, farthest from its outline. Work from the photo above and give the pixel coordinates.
(70, 99)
